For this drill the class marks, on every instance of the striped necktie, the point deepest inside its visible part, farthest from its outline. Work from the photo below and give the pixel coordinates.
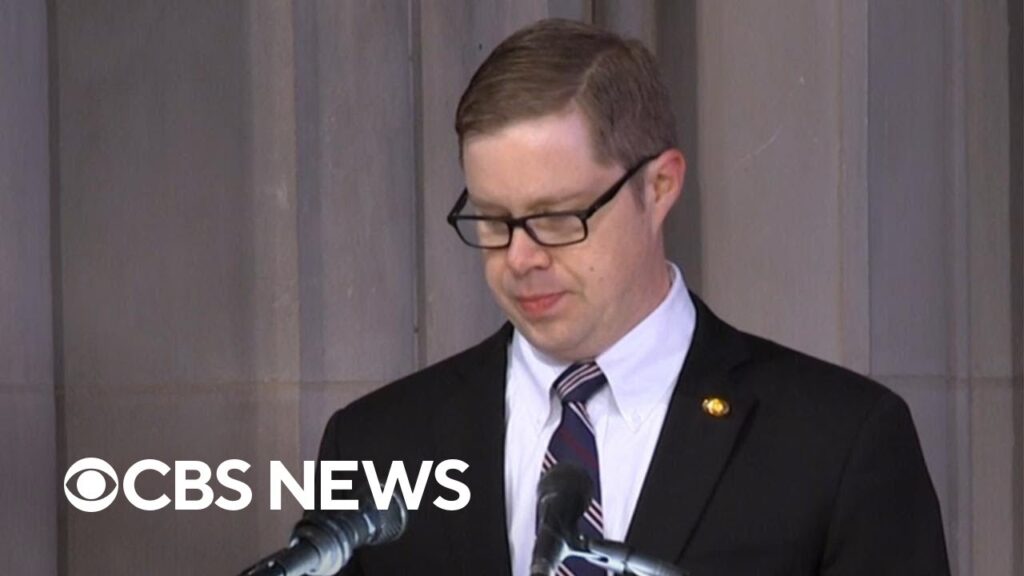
(573, 441)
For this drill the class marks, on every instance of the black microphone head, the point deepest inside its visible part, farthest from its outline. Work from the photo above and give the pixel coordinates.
(385, 525)
(563, 494)
(331, 537)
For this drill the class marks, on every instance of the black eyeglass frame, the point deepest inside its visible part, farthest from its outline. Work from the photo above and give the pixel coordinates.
(523, 222)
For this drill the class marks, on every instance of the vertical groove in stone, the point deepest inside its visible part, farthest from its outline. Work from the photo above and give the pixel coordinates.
(56, 280)
(420, 333)
(960, 522)
(307, 184)
(677, 51)
(1015, 61)
(273, 314)
(853, 288)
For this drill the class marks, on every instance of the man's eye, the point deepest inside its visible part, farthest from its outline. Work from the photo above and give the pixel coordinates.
(555, 223)
(491, 225)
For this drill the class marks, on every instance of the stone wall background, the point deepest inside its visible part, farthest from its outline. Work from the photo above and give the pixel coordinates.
(220, 221)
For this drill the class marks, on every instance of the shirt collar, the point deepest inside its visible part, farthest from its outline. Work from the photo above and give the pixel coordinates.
(641, 367)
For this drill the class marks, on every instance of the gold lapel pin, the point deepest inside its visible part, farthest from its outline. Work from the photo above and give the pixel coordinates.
(715, 407)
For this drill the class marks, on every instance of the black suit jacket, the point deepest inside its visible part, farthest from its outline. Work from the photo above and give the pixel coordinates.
(815, 470)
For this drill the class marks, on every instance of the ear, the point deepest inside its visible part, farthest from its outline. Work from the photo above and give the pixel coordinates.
(664, 178)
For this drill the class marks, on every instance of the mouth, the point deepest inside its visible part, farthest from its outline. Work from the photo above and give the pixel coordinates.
(539, 304)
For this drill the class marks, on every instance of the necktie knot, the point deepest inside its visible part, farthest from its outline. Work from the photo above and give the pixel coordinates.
(579, 382)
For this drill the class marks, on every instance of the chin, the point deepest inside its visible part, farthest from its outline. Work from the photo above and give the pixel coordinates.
(550, 340)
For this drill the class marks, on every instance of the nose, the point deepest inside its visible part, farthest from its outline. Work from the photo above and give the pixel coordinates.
(524, 254)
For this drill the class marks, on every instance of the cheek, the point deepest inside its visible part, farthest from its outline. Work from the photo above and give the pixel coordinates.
(584, 270)
(605, 265)
(492, 270)
(494, 273)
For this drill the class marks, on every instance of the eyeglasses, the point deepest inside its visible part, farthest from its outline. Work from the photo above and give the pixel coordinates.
(549, 229)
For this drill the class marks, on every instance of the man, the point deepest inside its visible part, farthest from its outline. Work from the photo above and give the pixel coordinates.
(708, 447)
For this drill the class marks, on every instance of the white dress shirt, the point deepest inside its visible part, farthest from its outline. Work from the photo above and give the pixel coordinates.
(642, 369)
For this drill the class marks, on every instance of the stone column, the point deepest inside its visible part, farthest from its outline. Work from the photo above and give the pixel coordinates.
(28, 451)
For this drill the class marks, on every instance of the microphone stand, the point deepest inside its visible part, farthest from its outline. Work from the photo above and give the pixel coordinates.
(620, 558)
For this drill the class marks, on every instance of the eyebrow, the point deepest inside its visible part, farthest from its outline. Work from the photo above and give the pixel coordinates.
(533, 207)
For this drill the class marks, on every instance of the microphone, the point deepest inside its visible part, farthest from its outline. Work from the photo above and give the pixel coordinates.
(563, 494)
(324, 541)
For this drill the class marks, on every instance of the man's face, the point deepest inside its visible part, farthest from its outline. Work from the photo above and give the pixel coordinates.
(572, 302)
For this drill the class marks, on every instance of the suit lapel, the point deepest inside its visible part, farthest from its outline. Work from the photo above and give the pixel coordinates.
(470, 425)
(694, 446)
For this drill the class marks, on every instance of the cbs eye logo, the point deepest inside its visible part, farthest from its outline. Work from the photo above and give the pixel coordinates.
(90, 484)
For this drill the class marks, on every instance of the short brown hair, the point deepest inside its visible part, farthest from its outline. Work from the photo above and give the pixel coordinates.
(546, 67)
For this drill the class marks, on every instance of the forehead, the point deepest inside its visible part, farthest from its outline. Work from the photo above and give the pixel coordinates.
(533, 161)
